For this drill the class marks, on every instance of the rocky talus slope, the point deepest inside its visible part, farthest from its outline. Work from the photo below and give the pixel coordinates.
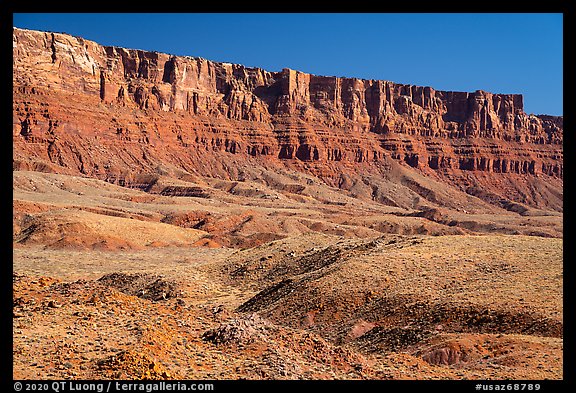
(179, 218)
(126, 115)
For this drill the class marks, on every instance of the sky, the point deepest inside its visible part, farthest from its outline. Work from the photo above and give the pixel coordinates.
(499, 53)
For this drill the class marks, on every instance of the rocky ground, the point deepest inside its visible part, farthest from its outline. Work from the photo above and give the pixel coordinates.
(117, 283)
(176, 217)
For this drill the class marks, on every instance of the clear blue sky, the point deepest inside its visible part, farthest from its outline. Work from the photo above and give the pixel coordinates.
(500, 53)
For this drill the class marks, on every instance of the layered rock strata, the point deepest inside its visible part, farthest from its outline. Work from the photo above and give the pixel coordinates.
(109, 112)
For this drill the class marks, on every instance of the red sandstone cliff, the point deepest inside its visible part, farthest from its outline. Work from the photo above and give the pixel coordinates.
(110, 112)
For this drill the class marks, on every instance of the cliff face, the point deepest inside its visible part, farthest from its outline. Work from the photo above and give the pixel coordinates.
(80, 107)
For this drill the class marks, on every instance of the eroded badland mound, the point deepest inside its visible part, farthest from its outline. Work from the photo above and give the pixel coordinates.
(175, 217)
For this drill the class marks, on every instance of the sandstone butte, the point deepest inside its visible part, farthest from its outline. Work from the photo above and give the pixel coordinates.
(121, 114)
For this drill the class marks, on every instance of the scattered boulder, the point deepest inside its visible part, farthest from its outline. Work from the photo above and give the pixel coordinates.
(146, 286)
(243, 331)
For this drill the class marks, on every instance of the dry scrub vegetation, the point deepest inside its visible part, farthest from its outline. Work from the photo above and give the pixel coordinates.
(265, 283)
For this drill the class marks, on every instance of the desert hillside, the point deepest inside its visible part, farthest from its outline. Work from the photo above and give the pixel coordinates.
(179, 218)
